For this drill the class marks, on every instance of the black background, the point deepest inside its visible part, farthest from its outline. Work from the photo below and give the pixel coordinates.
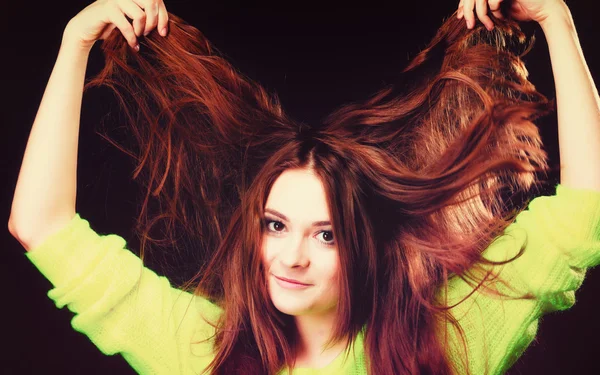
(317, 57)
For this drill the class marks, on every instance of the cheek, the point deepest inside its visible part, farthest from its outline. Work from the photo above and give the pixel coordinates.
(328, 269)
(335, 278)
(330, 283)
(267, 252)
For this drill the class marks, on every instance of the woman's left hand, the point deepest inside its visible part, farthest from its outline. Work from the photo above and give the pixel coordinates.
(520, 10)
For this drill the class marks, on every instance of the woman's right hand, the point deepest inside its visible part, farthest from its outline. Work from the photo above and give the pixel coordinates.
(100, 18)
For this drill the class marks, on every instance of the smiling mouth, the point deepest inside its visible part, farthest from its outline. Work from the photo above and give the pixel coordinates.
(290, 282)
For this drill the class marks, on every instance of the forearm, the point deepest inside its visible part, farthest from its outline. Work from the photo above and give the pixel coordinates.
(578, 104)
(46, 187)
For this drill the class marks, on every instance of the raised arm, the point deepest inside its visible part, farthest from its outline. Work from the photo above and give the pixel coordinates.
(50, 158)
(578, 103)
(122, 306)
(576, 94)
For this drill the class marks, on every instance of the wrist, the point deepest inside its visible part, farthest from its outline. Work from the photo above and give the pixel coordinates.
(72, 42)
(74, 51)
(558, 15)
(75, 46)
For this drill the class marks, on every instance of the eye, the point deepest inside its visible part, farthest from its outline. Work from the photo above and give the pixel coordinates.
(274, 226)
(326, 237)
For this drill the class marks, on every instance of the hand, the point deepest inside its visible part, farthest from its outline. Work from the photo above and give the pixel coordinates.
(520, 10)
(100, 18)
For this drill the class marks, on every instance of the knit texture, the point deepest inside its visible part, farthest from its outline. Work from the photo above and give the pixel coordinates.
(124, 307)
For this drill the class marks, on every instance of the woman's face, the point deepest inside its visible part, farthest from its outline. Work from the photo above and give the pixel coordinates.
(298, 244)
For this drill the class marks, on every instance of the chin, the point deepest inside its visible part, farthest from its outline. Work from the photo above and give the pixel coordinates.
(289, 310)
(289, 304)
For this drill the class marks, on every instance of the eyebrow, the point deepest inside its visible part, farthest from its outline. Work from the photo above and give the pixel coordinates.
(282, 216)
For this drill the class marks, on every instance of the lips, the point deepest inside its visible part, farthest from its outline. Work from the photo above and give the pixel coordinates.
(292, 281)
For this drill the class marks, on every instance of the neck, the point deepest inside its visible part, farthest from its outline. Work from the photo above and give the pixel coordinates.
(313, 333)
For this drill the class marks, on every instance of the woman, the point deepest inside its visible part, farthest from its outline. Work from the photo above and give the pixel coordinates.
(381, 216)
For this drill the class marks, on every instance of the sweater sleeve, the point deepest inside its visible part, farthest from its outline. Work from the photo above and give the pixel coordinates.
(122, 306)
(559, 237)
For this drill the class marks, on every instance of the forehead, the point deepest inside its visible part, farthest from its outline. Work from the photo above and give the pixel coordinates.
(299, 194)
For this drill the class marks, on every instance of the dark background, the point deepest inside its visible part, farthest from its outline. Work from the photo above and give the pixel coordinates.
(317, 57)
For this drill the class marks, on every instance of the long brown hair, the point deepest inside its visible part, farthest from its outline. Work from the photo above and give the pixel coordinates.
(420, 178)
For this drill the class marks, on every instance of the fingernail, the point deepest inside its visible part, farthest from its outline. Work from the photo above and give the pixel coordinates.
(163, 31)
(146, 33)
(137, 47)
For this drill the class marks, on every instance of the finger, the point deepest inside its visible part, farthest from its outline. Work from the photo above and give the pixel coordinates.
(136, 13)
(116, 16)
(468, 13)
(459, 13)
(482, 10)
(163, 19)
(151, 9)
(495, 8)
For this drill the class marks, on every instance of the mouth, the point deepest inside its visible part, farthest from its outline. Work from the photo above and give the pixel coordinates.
(290, 283)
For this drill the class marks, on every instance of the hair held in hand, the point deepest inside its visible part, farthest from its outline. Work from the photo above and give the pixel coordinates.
(420, 179)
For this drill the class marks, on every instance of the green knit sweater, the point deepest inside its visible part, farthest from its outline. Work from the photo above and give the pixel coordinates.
(126, 308)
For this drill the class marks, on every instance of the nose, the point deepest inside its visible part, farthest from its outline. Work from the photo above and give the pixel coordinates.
(295, 253)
